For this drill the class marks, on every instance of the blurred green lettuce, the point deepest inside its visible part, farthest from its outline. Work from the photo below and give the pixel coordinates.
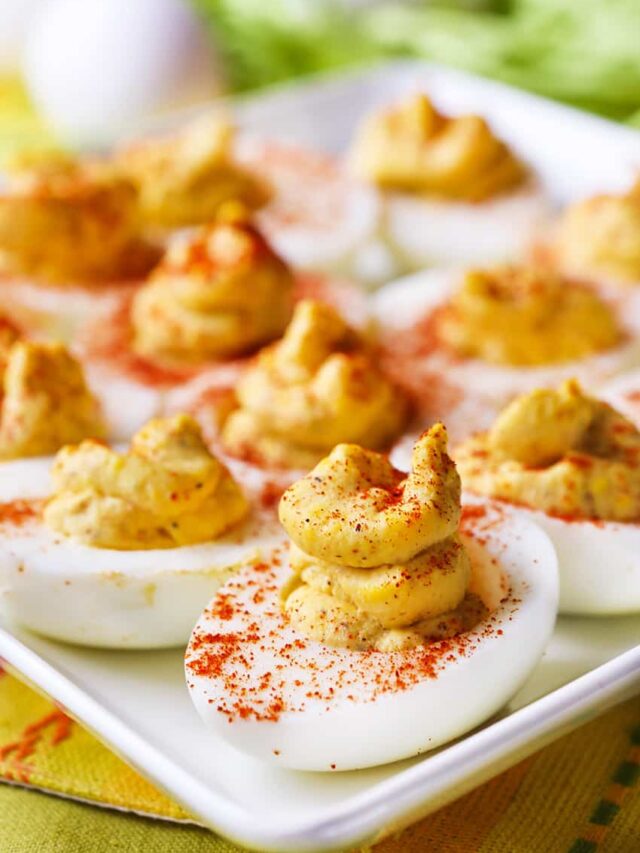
(268, 41)
(583, 52)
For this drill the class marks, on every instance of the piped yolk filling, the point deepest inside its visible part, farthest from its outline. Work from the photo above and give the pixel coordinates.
(559, 451)
(166, 491)
(601, 237)
(218, 294)
(45, 402)
(386, 607)
(415, 148)
(186, 179)
(345, 590)
(71, 222)
(521, 316)
(315, 388)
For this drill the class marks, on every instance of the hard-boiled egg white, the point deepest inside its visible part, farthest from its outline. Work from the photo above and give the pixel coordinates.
(58, 310)
(126, 404)
(117, 599)
(598, 562)
(283, 698)
(468, 393)
(436, 232)
(319, 218)
(24, 479)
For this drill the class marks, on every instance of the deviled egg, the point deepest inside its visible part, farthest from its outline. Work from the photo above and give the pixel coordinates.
(45, 401)
(318, 386)
(463, 344)
(127, 547)
(70, 242)
(389, 629)
(571, 463)
(51, 400)
(453, 191)
(219, 293)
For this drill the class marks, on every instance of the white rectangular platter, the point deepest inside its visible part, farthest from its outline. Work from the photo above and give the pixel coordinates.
(137, 702)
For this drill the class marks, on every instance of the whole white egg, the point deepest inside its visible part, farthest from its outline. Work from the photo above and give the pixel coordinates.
(95, 68)
(15, 19)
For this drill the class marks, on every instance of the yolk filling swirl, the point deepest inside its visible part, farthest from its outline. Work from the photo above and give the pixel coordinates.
(523, 316)
(377, 558)
(44, 401)
(414, 148)
(559, 451)
(316, 387)
(68, 222)
(600, 236)
(167, 490)
(218, 294)
(186, 178)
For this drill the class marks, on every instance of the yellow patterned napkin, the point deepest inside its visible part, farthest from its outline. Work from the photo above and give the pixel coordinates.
(579, 795)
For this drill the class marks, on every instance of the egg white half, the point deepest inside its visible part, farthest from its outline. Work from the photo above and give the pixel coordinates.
(57, 310)
(285, 699)
(467, 394)
(437, 232)
(348, 298)
(24, 479)
(126, 404)
(120, 599)
(320, 217)
(598, 563)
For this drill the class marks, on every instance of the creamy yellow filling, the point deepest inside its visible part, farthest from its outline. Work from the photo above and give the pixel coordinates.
(65, 222)
(167, 490)
(415, 148)
(315, 388)
(376, 556)
(559, 451)
(600, 237)
(187, 178)
(524, 316)
(45, 401)
(220, 293)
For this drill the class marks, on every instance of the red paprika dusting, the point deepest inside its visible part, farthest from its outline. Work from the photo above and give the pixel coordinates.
(580, 460)
(222, 608)
(19, 512)
(265, 668)
(271, 493)
(295, 171)
(110, 342)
